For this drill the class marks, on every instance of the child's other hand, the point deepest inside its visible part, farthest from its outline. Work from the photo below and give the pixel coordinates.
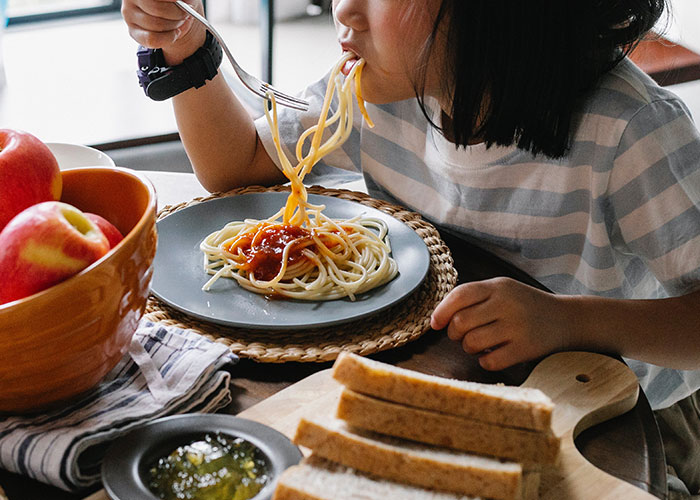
(502, 321)
(162, 24)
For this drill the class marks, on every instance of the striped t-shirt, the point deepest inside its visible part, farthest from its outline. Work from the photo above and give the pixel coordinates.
(619, 216)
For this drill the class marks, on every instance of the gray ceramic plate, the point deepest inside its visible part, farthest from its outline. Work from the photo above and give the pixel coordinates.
(178, 274)
(128, 460)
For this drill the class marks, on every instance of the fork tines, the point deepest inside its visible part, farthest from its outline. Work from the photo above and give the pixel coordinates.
(284, 99)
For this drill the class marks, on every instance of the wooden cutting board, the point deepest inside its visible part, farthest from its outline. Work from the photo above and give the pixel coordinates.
(586, 388)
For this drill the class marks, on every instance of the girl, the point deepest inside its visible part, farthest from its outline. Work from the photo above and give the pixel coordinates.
(524, 128)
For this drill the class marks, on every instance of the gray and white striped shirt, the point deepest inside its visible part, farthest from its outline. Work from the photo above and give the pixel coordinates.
(619, 216)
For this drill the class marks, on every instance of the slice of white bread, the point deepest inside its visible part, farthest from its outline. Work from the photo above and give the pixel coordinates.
(499, 404)
(409, 462)
(318, 479)
(432, 427)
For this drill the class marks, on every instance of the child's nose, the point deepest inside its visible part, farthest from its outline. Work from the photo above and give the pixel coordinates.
(351, 13)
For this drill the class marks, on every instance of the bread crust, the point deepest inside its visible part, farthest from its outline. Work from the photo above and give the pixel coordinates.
(513, 406)
(440, 429)
(410, 463)
(318, 479)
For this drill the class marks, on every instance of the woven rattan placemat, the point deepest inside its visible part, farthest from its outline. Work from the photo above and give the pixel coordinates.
(393, 327)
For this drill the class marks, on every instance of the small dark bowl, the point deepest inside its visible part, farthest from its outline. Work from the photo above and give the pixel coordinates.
(127, 461)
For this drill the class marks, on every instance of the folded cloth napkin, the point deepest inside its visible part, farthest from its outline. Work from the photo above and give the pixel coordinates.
(166, 371)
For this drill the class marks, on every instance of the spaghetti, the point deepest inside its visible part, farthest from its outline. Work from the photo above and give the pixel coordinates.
(299, 252)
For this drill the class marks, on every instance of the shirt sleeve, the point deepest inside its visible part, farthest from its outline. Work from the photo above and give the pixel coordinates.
(340, 165)
(654, 194)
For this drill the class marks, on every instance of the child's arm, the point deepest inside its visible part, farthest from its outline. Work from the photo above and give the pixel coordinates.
(506, 322)
(216, 130)
(220, 139)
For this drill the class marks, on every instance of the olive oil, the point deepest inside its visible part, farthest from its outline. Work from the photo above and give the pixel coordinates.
(216, 467)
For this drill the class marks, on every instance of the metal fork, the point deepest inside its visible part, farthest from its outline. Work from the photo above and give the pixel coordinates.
(255, 85)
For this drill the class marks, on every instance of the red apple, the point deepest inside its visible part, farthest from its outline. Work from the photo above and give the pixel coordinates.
(108, 229)
(44, 245)
(29, 173)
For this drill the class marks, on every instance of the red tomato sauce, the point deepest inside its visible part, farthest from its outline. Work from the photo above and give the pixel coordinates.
(263, 249)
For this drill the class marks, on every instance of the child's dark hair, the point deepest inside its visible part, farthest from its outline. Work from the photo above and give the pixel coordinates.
(519, 69)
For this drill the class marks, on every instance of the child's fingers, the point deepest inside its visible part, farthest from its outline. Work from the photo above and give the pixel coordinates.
(469, 318)
(462, 297)
(155, 32)
(483, 338)
(501, 357)
(163, 9)
(156, 24)
(153, 39)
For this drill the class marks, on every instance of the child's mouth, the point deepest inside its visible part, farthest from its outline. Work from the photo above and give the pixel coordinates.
(348, 65)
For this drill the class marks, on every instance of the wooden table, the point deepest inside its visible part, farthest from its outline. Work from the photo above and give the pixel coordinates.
(628, 446)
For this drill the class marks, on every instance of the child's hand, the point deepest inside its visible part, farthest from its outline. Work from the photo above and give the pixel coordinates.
(162, 24)
(502, 321)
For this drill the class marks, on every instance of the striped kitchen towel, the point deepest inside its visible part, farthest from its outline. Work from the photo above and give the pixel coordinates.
(166, 371)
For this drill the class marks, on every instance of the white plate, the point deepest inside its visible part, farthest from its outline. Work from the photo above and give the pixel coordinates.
(76, 155)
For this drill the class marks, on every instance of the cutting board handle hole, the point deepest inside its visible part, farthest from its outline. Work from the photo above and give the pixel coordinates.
(582, 377)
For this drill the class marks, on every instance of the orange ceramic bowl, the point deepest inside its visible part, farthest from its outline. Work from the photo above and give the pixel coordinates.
(62, 341)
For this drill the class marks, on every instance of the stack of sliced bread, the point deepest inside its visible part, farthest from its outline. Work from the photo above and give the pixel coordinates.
(401, 434)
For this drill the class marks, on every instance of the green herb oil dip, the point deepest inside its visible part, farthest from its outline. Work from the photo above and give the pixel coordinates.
(214, 468)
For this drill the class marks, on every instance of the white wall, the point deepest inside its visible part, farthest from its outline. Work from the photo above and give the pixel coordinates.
(684, 26)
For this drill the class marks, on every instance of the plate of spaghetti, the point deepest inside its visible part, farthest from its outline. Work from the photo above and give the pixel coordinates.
(180, 272)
